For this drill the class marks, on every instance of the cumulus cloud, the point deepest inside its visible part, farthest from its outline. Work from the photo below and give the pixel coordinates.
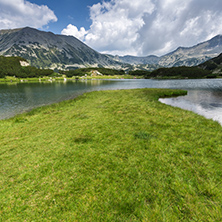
(20, 13)
(146, 27)
(73, 30)
(180, 23)
(115, 24)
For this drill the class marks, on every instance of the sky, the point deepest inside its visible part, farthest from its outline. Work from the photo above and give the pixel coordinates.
(120, 27)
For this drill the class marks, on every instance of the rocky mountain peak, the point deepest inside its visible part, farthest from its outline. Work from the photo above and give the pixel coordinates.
(48, 50)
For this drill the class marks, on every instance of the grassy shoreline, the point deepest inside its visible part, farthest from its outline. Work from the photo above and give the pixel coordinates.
(111, 156)
(52, 79)
(13, 80)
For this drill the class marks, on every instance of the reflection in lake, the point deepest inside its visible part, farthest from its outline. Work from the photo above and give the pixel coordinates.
(18, 98)
(204, 95)
(204, 102)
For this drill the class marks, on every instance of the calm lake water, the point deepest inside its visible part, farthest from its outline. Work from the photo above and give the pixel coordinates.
(204, 96)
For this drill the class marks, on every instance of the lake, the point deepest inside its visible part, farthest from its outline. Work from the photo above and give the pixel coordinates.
(204, 95)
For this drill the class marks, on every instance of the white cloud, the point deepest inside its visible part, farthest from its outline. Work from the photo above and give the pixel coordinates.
(20, 13)
(180, 23)
(144, 27)
(73, 30)
(115, 24)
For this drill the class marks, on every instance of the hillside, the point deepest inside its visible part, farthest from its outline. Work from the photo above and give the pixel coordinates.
(214, 65)
(136, 60)
(182, 72)
(182, 56)
(18, 67)
(47, 50)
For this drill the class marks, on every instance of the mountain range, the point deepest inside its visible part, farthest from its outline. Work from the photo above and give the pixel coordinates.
(182, 56)
(48, 50)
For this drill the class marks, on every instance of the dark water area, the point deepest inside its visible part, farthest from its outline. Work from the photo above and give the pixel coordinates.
(204, 95)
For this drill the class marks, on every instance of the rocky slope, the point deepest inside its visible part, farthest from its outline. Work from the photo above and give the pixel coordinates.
(191, 56)
(135, 60)
(47, 50)
(182, 56)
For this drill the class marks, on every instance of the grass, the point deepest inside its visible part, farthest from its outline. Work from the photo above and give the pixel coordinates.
(113, 77)
(9, 79)
(111, 156)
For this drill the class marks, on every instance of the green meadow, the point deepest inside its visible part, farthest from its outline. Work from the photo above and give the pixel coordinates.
(111, 156)
(13, 80)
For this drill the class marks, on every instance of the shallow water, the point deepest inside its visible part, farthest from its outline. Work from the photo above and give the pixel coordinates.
(204, 96)
(204, 102)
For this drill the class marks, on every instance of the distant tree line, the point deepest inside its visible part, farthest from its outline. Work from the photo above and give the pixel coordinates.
(139, 73)
(10, 66)
(83, 71)
(32, 72)
(173, 72)
(179, 72)
(214, 65)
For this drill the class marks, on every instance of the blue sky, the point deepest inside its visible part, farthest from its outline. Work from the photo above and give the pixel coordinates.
(120, 27)
(68, 12)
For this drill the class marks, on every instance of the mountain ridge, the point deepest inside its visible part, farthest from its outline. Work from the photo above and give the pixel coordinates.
(48, 50)
(182, 56)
